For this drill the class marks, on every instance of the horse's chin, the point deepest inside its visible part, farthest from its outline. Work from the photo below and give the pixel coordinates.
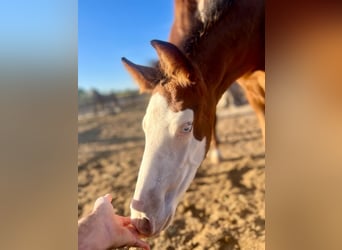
(164, 227)
(167, 223)
(157, 231)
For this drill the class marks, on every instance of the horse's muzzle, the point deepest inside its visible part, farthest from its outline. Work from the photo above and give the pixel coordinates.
(144, 226)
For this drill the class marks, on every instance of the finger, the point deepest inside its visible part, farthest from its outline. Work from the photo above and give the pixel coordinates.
(132, 237)
(135, 232)
(108, 197)
(98, 202)
(101, 200)
(124, 220)
(141, 244)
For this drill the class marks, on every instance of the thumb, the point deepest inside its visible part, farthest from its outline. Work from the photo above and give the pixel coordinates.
(108, 197)
(102, 200)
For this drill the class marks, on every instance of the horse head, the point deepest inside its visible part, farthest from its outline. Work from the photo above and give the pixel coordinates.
(177, 126)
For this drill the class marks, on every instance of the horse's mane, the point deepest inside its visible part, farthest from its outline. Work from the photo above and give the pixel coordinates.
(212, 14)
(203, 22)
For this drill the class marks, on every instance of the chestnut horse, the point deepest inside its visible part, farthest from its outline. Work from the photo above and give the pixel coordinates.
(189, 14)
(212, 43)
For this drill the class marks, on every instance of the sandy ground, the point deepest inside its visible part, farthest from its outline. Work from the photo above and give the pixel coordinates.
(224, 207)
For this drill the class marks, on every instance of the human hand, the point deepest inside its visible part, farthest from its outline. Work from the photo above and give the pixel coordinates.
(103, 229)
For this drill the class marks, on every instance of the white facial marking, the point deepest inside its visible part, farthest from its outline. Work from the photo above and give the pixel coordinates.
(171, 158)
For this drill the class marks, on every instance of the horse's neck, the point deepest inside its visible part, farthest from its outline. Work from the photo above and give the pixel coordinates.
(184, 20)
(232, 47)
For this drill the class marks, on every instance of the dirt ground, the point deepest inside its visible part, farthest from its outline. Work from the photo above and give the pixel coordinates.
(223, 209)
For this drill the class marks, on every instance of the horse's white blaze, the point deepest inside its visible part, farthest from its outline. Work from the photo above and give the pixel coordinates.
(171, 158)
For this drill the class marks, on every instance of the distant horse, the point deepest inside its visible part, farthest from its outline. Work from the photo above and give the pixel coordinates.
(109, 101)
(223, 42)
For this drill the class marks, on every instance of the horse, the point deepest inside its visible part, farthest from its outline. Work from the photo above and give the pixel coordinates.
(223, 42)
(110, 101)
(187, 15)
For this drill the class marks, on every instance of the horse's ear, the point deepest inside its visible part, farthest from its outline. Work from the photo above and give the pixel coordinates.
(173, 62)
(144, 76)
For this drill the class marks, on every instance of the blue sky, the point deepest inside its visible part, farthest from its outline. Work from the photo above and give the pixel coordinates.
(111, 29)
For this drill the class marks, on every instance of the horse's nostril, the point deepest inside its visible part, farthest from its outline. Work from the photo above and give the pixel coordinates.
(145, 226)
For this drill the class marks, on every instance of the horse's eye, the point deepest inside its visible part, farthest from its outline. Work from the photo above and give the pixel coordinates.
(187, 127)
